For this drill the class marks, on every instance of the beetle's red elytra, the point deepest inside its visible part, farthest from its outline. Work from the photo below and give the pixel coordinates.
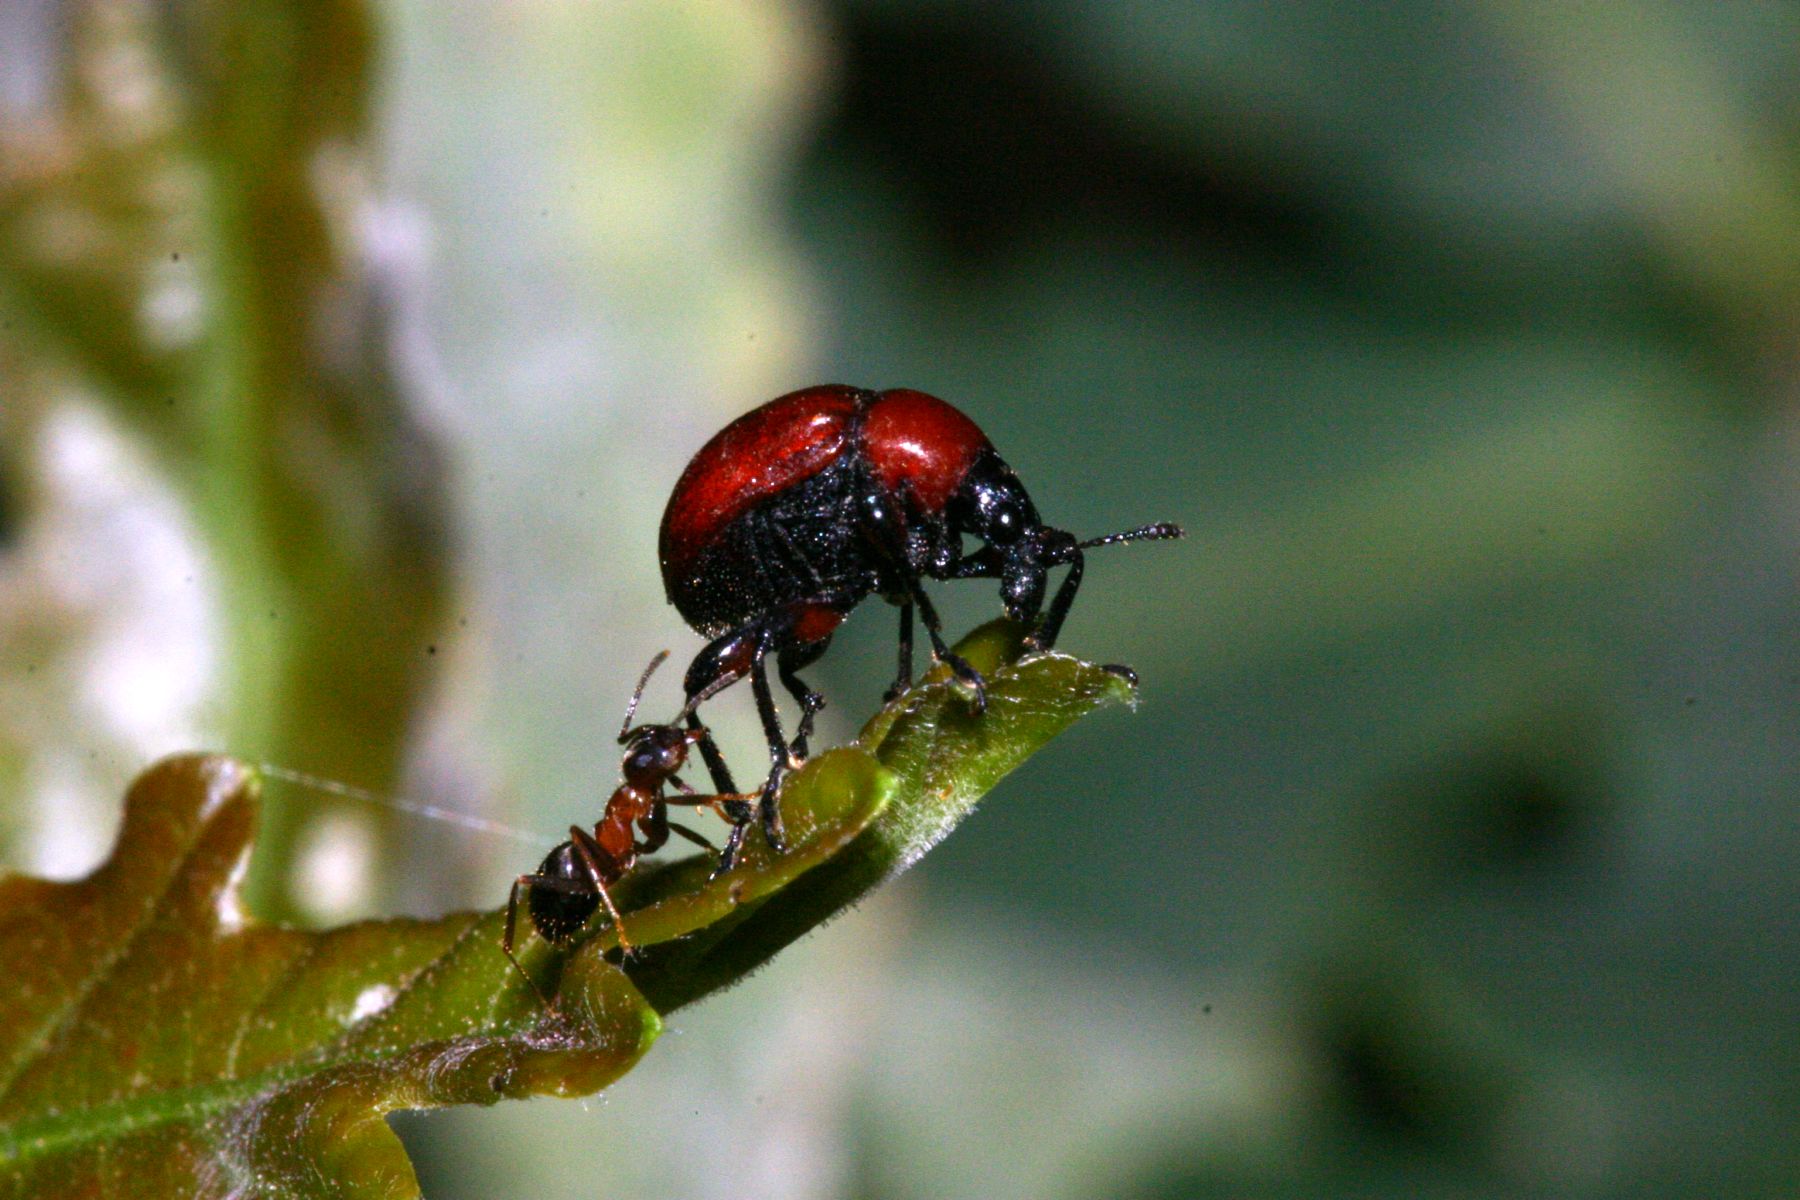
(795, 512)
(918, 442)
(768, 449)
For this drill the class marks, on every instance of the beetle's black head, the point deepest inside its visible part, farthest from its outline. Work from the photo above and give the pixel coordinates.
(653, 753)
(993, 505)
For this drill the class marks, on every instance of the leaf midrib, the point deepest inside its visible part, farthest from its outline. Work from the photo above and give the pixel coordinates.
(38, 1136)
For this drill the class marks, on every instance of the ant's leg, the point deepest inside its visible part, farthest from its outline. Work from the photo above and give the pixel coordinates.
(506, 937)
(767, 804)
(903, 680)
(969, 676)
(787, 663)
(698, 839)
(592, 854)
(731, 806)
(537, 881)
(655, 828)
(1044, 636)
(738, 808)
(690, 796)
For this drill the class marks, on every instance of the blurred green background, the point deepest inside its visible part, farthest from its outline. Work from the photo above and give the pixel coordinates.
(348, 353)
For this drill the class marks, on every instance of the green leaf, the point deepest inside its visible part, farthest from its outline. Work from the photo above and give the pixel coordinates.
(155, 1041)
(941, 757)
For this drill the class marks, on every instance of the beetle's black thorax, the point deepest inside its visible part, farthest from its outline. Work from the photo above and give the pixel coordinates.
(802, 543)
(820, 540)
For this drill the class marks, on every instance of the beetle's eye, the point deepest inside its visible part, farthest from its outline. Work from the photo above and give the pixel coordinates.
(1004, 525)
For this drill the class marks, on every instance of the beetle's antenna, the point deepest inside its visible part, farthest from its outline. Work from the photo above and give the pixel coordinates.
(1160, 532)
(643, 682)
(332, 787)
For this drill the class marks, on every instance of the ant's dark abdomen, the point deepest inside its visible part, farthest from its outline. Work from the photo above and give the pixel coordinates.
(559, 915)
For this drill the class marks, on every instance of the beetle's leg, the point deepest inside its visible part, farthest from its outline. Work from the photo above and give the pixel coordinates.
(903, 679)
(739, 810)
(709, 751)
(983, 564)
(969, 676)
(787, 663)
(796, 556)
(883, 521)
(720, 663)
(723, 662)
(741, 816)
(767, 804)
(1044, 636)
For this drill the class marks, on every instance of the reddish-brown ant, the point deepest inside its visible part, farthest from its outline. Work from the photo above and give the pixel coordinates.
(572, 882)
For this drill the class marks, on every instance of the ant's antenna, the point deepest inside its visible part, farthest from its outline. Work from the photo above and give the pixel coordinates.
(704, 694)
(1159, 532)
(643, 682)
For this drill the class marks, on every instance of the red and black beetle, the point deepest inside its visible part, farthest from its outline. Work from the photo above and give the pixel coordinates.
(797, 510)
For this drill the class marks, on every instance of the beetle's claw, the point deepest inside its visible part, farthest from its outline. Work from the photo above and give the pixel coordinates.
(1122, 671)
(976, 687)
(773, 833)
(971, 679)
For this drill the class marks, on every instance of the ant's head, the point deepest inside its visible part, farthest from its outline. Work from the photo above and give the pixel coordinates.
(655, 752)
